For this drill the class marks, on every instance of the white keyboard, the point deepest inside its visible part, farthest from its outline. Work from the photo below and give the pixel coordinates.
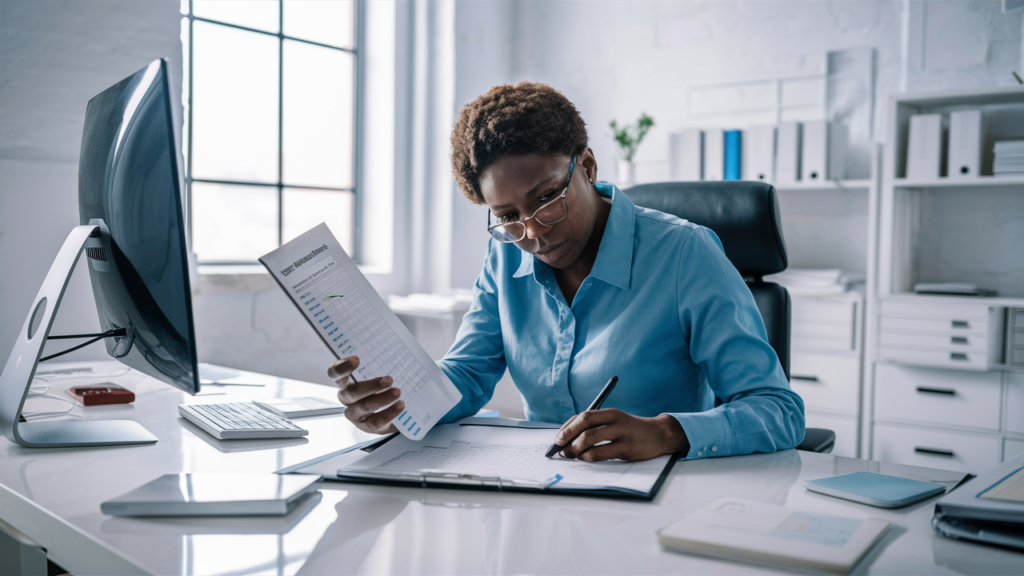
(239, 420)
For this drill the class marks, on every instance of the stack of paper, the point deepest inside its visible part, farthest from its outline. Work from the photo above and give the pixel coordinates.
(815, 282)
(1009, 157)
(953, 288)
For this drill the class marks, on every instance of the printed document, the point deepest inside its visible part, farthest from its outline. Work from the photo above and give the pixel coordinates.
(352, 319)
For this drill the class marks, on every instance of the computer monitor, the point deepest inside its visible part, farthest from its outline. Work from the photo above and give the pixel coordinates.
(133, 234)
(129, 183)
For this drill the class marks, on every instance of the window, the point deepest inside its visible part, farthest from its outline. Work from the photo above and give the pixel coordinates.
(270, 123)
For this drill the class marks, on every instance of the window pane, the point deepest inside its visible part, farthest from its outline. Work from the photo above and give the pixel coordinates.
(258, 14)
(318, 115)
(304, 209)
(184, 88)
(324, 21)
(234, 104)
(233, 223)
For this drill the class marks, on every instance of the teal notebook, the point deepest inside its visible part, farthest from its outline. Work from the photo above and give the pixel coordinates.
(875, 489)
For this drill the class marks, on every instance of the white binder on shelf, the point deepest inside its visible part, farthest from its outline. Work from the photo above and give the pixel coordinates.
(787, 153)
(686, 155)
(924, 147)
(758, 155)
(965, 129)
(714, 154)
(823, 151)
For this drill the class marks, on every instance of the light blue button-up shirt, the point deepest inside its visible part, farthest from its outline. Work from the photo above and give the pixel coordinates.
(663, 309)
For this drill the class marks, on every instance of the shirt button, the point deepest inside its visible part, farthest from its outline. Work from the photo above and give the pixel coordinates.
(714, 448)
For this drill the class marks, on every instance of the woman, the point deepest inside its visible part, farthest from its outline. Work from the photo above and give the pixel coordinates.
(580, 285)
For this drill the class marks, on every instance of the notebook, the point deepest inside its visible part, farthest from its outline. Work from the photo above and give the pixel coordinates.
(734, 529)
(873, 489)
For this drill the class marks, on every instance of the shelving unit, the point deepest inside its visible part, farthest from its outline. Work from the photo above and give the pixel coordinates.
(831, 224)
(939, 390)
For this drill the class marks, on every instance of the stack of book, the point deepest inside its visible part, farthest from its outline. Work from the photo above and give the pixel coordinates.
(815, 282)
(1009, 157)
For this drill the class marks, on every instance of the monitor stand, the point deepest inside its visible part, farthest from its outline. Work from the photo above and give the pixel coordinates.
(21, 368)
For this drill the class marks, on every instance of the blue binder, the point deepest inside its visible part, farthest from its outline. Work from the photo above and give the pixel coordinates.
(732, 154)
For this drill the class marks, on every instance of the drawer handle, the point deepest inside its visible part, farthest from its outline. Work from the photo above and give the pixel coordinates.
(943, 391)
(957, 356)
(961, 324)
(805, 378)
(958, 340)
(934, 451)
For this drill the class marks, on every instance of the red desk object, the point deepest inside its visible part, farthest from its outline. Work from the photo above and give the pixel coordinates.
(105, 393)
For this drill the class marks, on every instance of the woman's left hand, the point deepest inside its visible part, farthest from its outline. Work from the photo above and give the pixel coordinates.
(629, 437)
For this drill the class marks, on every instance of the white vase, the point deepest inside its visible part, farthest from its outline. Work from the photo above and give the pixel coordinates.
(627, 173)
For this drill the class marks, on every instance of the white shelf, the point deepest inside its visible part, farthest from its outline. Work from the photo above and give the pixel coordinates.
(825, 186)
(950, 299)
(979, 182)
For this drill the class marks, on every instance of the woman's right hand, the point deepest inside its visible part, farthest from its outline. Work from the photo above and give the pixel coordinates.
(363, 399)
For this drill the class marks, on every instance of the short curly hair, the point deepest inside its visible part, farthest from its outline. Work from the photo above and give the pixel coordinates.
(512, 119)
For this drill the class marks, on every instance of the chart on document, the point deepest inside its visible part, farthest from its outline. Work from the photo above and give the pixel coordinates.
(353, 320)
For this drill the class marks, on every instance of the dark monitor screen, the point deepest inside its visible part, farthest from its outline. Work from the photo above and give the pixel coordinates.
(129, 184)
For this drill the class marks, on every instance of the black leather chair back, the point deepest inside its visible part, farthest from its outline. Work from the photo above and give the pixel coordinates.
(745, 215)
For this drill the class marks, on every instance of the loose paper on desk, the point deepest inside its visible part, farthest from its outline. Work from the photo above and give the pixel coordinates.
(353, 320)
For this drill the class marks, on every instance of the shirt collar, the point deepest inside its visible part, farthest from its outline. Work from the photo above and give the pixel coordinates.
(614, 262)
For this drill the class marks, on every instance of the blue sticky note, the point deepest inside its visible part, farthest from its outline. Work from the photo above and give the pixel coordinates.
(878, 490)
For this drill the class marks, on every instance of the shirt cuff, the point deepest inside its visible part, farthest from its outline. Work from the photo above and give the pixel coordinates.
(707, 432)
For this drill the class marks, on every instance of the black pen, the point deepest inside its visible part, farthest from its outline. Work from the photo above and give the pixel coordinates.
(595, 405)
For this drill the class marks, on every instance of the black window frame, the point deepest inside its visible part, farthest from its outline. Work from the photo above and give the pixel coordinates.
(357, 124)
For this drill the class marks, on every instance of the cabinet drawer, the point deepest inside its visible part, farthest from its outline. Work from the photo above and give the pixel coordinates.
(936, 309)
(941, 359)
(845, 428)
(939, 397)
(824, 310)
(806, 343)
(826, 382)
(972, 453)
(812, 329)
(1015, 402)
(935, 326)
(1012, 447)
(949, 343)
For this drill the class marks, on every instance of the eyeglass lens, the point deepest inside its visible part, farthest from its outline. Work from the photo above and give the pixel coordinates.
(547, 215)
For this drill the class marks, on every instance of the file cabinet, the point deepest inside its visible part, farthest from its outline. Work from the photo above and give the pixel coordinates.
(825, 365)
(952, 419)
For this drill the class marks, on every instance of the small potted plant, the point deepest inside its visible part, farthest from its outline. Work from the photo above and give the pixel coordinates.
(628, 138)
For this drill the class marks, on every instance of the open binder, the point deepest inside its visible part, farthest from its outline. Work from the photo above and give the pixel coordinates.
(504, 455)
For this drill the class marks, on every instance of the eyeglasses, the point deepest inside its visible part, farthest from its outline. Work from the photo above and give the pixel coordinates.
(549, 214)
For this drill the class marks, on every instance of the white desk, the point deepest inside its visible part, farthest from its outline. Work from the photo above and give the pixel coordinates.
(53, 496)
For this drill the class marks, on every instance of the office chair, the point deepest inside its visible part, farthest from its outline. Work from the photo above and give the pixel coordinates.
(745, 215)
